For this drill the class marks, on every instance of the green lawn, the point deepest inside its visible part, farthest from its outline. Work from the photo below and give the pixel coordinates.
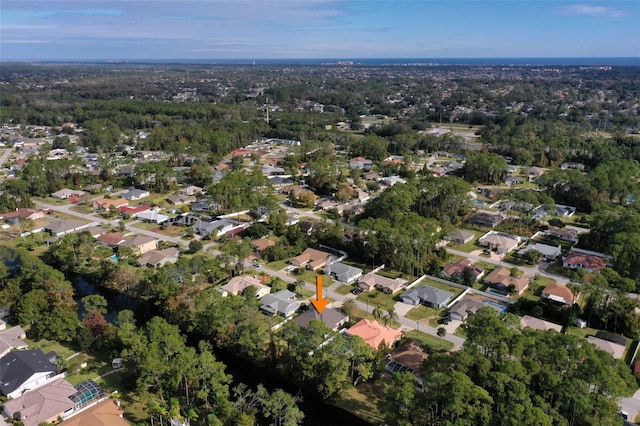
(433, 342)
(376, 297)
(49, 345)
(471, 245)
(277, 265)
(582, 332)
(365, 401)
(421, 312)
(344, 289)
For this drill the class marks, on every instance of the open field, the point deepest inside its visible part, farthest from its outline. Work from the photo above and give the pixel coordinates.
(365, 401)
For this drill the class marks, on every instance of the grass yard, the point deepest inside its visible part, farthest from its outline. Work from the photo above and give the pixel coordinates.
(582, 332)
(48, 346)
(433, 342)
(376, 297)
(365, 401)
(170, 231)
(421, 312)
(277, 265)
(310, 277)
(343, 289)
(471, 245)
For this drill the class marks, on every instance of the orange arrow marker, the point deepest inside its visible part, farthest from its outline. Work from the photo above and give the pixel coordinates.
(319, 303)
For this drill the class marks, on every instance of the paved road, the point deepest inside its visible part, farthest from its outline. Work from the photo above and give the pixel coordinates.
(5, 156)
(536, 270)
(129, 226)
(304, 213)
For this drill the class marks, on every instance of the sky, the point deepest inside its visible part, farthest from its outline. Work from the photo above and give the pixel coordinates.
(272, 29)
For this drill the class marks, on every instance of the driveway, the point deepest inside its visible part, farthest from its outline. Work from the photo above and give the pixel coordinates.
(631, 405)
(402, 309)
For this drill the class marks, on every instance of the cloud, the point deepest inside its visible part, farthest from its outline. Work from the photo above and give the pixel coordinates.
(595, 11)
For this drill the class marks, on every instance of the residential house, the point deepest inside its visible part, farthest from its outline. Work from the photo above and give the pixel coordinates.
(112, 239)
(312, 259)
(374, 333)
(191, 190)
(559, 293)
(486, 219)
(22, 213)
(11, 339)
(152, 216)
(463, 308)
(332, 318)
(360, 163)
(64, 227)
(181, 199)
(572, 165)
(564, 211)
(391, 180)
(216, 228)
(460, 236)
(539, 324)
(65, 193)
(46, 404)
(269, 170)
(281, 303)
(408, 357)
(513, 180)
(135, 210)
(499, 242)
(237, 285)
(306, 226)
(427, 295)
(614, 349)
(548, 252)
(534, 173)
(387, 285)
(566, 234)
(106, 203)
(588, 262)
(140, 245)
(455, 270)
(501, 279)
(134, 194)
(343, 273)
(106, 413)
(21, 371)
(261, 244)
(157, 258)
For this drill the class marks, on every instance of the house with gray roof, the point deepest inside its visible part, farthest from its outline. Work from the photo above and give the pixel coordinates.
(281, 303)
(43, 405)
(343, 273)
(427, 295)
(12, 339)
(21, 371)
(135, 194)
(332, 318)
(549, 252)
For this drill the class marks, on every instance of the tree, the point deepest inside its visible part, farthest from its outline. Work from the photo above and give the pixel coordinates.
(282, 409)
(195, 246)
(377, 313)
(441, 333)
(391, 316)
(95, 302)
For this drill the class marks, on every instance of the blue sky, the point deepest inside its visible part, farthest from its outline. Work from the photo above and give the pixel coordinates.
(233, 29)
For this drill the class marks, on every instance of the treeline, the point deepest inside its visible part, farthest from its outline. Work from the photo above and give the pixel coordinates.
(507, 376)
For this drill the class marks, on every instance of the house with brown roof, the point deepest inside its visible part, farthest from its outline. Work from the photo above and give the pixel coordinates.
(559, 293)
(140, 245)
(501, 279)
(408, 357)
(455, 270)
(260, 244)
(312, 259)
(539, 324)
(181, 199)
(499, 242)
(387, 285)
(24, 214)
(112, 239)
(588, 262)
(107, 413)
(157, 258)
(42, 405)
(106, 203)
(374, 333)
(237, 285)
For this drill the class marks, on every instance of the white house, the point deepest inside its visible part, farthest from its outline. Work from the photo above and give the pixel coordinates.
(21, 371)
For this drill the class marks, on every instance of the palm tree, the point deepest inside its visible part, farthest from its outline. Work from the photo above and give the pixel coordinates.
(441, 333)
(348, 307)
(391, 316)
(377, 313)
